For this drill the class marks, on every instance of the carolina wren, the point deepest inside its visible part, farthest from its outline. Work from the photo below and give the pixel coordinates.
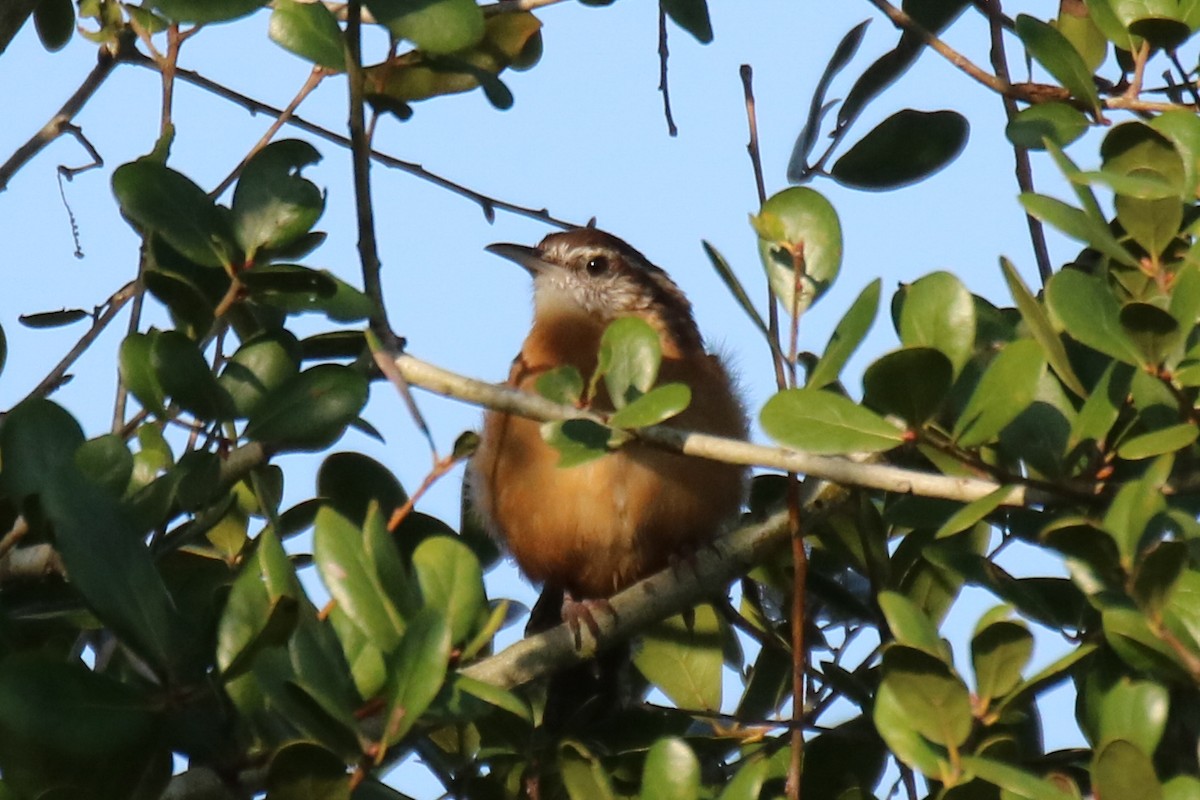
(595, 528)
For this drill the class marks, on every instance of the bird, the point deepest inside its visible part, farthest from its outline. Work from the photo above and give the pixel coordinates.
(589, 530)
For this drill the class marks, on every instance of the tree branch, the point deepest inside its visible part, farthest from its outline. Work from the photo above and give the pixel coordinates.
(61, 121)
(732, 451)
(485, 202)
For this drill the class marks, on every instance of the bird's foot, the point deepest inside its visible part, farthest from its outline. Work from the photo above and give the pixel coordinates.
(577, 613)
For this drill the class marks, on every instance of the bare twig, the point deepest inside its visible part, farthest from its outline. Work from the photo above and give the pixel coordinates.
(731, 451)
(1184, 77)
(310, 83)
(111, 307)
(1037, 235)
(663, 83)
(61, 122)
(747, 75)
(486, 202)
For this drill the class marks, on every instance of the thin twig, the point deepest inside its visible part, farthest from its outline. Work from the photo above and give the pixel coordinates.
(902, 20)
(663, 84)
(747, 74)
(486, 202)
(167, 68)
(443, 466)
(1183, 76)
(310, 83)
(731, 451)
(111, 307)
(1024, 169)
(60, 122)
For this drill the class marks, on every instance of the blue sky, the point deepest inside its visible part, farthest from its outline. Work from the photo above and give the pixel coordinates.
(586, 137)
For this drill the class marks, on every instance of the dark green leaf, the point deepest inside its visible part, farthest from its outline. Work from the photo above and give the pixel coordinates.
(106, 461)
(735, 286)
(160, 200)
(310, 31)
(186, 376)
(272, 204)
(416, 672)
(203, 11)
(936, 699)
(692, 16)
(350, 482)
(53, 319)
(846, 337)
(822, 422)
(307, 290)
(797, 171)
(434, 26)
(260, 366)
(1120, 769)
(311, 410)
(1090, 314)
(38, 440)
(303, 770)
(999, 653)
(55, 22)
(577, 441)
(911, 383)
(262, 607)
(1061, 123)
(905, 148)
(1052, 50)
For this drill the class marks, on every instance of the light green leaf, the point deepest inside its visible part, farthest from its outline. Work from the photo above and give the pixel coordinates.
(822, 422)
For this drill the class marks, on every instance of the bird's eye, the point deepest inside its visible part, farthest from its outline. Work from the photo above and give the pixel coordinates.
(597, 266)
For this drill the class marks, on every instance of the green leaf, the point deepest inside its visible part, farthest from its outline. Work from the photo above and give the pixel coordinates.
(451, 581)
(658, 405)
(1008, 386)
(311, 410)
(910, 626)
(351, 482)
(302, 770)
(999, 653)
(310, 31)
(798, 169)
(936, 699)
(630, 354)
(1182, 128)
(260, 366)
(273, 205)
(1135, 711)
(1039, 325)
(897, 728)
(1158, 574)
(822, 422)
(38, 440)
(1158, 442)
(583, 775)
(735, 287)
(1153, 224)
(1015, 781)
(1136, 504)
(52, 319)
(939, 312)
(846, 337)
(261, 611)
(683, 660)
(692, 16)
(672, 771)
(352, 580)
(417, 672)
(905, 148)
(160, 200)
(1061, 123)
(435, 26)
(1054, 52)
(911, 383)
(747, 783)
(1120, 769)
(973, 512)
(296, 289)
(55, 23)
(107, 462)
(577, 441)
(1077, 224)
(562, 385)
(186, 377)
(1090, 314)
(799, 223)
(205, 11)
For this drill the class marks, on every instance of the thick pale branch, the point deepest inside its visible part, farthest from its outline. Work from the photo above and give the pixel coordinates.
(732, 451)
(655, 598)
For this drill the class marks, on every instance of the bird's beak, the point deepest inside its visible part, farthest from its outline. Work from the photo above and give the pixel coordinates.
(528, 257)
